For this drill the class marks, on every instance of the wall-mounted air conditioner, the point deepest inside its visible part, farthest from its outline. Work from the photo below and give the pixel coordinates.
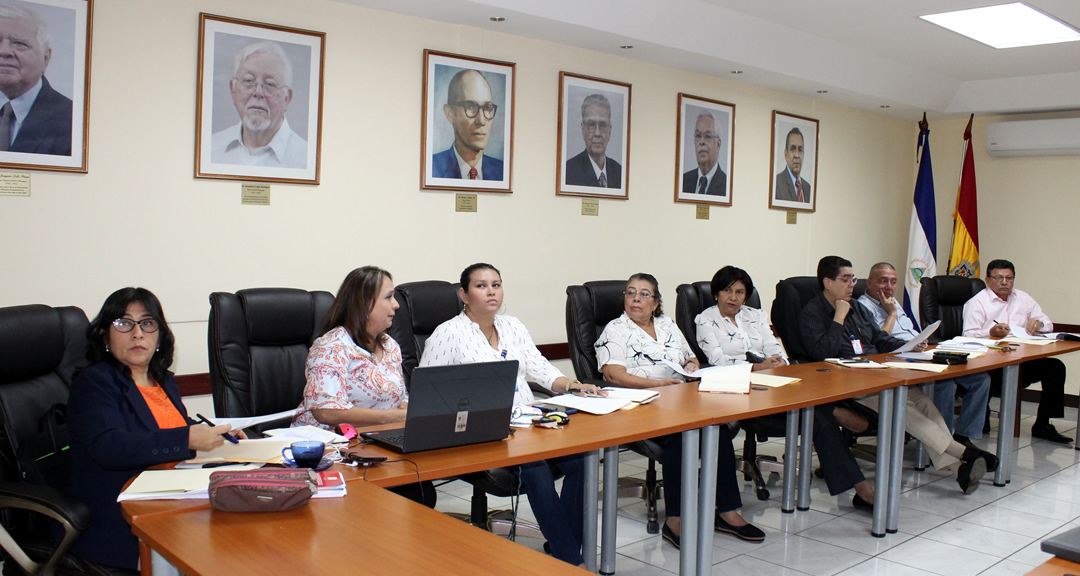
(1034, 138)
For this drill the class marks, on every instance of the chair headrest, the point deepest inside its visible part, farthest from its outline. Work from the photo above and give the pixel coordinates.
(278, 316)
(430, 303)
(957, 290)
(31, 342)
(607, 300)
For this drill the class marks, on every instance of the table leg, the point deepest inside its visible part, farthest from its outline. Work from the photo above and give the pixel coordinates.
(160, 566)
(611, 502)
(1010, 376)
(688, 556)
(806, 462)
(791, 445)
(881, 468)
(710, 440)
(896, 459)
(592, 504)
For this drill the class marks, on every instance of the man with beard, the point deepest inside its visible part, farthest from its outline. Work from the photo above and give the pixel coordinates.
(261, 91)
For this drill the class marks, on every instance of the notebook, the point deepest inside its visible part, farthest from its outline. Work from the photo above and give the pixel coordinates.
(1065, 545)
(455, 406)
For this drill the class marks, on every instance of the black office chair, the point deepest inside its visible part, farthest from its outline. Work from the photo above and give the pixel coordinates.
(691, 300)
(41, 350)
(258, 345)
(792, 294)
(589, 308)
(423, 306)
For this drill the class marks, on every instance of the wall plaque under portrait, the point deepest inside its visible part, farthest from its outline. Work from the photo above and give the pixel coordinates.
(594, 137)
(793, 176)
(704, 151)
(45, 98)
(259, 101)
(467, 133)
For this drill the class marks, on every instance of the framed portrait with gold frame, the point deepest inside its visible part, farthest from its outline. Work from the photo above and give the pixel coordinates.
(793, 174)
(704, 151)
(594, 137)
(258, 102)
(467, 133)
(45, 102)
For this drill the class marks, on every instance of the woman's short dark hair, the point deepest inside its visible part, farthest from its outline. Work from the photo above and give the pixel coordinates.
(115, 306)
(727, 276)
(645, 277)
(352, 306)
(466, 274)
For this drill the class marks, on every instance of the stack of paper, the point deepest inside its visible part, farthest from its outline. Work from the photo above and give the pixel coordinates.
(734, 379)
(759, 379)
(855, 362)
(590, 404)
(171, 484)
(923, 366)
(265, 450)
(635, 395)
(331, 484)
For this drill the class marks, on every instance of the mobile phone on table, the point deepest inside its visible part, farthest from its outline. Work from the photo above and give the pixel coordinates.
(555, 408)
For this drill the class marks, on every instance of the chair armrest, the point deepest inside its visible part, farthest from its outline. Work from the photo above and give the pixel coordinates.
(45, 500)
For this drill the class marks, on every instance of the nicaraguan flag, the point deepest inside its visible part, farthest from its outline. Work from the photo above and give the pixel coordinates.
(922, 238)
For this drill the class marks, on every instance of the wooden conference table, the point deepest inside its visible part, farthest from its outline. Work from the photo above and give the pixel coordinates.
(678, 409)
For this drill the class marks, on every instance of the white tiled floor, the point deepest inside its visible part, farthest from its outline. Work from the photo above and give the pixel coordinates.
(993, 532)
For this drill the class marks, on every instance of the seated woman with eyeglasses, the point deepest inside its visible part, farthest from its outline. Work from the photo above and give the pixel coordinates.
(353, 370)
(125, 415)
(481, 334)
(731, 332)
(629, 353)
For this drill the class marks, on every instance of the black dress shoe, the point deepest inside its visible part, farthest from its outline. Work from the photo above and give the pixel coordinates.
(1048, 432)
(669, 535)
(861, 504)
(960, 438)
(747, 532)
(970, 473)
(973, 452)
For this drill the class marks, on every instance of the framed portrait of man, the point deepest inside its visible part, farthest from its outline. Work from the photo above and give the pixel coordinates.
(704, 151)
(467, 134)
(594, 138)
(793, 177)
(45, 84)
(259, 101)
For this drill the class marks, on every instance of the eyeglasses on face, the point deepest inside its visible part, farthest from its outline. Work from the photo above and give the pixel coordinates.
(645, 294)
(1004, 279)
(269, 86)
(699, 136)
(473, 108)
(593, 126)
(846, 279)
(125, 325)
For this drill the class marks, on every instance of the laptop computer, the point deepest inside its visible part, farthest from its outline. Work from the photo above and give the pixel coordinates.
(454, 406)
(1065, 545)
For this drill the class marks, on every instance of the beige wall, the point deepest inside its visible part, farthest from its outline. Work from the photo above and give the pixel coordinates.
(140, 218)
(1027, 214)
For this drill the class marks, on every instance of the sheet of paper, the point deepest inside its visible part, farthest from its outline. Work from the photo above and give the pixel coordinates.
(298, 433)
(699, 373)
(966, 345)
(632, 394)
(266, 450)
(917, 355)
(734, 379)
(590, 404)
(911, 344)
(150, 484)
(770, 380)
(1029, 341)
(923, 366)
(238, 423)
(854, 362)
(965, 340)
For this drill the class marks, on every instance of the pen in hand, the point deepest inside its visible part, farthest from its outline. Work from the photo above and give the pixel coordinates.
(227, 436)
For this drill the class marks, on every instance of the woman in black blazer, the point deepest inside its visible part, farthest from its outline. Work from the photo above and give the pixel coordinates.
(125, 415)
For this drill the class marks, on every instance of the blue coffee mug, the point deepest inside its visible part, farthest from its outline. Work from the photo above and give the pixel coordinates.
(306, 454)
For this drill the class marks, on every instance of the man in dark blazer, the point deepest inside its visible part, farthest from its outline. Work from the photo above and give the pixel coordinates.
(593, 167)
(708, 178)
(469, 110)
(36, 119)
(786, 188)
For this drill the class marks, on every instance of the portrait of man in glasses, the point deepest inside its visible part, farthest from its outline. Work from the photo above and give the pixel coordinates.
(709, 177)
(261, 86)
(470, 110)
(593, 167)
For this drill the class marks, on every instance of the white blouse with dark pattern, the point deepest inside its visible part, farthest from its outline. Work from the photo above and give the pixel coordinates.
(625, 343)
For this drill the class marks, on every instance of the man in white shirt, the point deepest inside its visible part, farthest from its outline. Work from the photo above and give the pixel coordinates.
(1000, 310)
(890, 317)
(261, 89)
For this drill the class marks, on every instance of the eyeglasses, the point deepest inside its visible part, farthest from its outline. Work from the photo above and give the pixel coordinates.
(474, 108)
(268, 86)
(698, 136)
(1004, 279)
(846, 278)
(645, 294)
(593, 126)
(124, 325)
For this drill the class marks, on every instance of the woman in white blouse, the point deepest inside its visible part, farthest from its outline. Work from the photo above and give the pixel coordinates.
(630, 352)
(481, 334)
(733, 333)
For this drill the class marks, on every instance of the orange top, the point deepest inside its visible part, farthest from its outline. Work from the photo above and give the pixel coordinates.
(165, 413)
